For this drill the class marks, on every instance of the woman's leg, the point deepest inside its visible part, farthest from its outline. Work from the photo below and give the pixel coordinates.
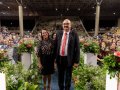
(49, 82)
(44, 81)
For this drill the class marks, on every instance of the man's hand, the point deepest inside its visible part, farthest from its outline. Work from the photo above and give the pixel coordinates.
(75, 65)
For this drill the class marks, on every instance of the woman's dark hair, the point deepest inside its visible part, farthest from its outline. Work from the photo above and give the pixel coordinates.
(53, 34)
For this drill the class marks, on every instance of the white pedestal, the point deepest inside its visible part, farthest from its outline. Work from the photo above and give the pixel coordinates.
(26, 60)
(90, 59)
(111, 84)
(2, 81)
(10, 55)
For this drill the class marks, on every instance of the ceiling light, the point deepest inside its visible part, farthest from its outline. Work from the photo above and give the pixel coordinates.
(114, 13)
(25, 7)
(3, 12)
(78, 9)
(8, 7)
(1, 2)
(56, 9)
(67, 9)
(93, 7)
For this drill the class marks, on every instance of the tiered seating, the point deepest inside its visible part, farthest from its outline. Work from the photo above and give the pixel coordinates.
(114, 30)
(54, 25)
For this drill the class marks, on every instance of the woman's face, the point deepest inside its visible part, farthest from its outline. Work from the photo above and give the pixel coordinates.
(39, 36)
(114, 40)
(113, 46)
(45, 34)
(54, 36)
(103, 44)
(118, 43)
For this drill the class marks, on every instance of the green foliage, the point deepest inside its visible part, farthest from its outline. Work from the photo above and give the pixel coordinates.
(34, 73)
(28, 86)
(88, 77)
(18, 78)
(112, 65)
(90, 47)
(27, 46)
(3, 60)
(36, 42)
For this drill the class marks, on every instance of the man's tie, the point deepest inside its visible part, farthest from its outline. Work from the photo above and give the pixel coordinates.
(64, 44)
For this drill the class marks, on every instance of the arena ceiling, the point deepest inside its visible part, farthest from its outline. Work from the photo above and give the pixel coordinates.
(82, 8)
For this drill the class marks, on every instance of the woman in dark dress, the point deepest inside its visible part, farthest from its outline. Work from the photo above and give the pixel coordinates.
(46, 59)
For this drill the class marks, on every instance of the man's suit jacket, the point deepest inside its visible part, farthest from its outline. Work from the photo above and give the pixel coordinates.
(73, 47)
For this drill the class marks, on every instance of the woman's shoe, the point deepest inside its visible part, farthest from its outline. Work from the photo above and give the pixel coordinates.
(48, 88)
(45, 88)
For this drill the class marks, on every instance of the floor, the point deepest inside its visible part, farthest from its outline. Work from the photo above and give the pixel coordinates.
(54, 84)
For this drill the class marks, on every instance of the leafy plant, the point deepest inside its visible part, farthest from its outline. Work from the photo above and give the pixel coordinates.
(26, 46)
(28, 86)
(18, 78)
(112, 64)
(3, 54)
(88, 77)
(90, 47)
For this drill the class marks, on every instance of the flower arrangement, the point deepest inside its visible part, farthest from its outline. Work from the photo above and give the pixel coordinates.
(90, 47)
(3, 54)
(26, 46)
(112, 64)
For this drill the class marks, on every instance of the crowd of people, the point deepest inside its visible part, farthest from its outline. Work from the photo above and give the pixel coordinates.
(108, 43)
(9, 41)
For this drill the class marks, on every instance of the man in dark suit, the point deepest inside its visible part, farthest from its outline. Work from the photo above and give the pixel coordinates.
(67, 49)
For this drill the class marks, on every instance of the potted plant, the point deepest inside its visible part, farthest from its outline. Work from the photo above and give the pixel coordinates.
(91, 49)
(26, 46)
(25, 49)
(112, 66)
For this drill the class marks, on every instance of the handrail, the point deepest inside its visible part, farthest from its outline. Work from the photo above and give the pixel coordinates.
(84, 28)
(34, 28)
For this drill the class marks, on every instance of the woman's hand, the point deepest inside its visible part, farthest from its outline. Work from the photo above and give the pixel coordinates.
(40, 66)
(75, 65)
